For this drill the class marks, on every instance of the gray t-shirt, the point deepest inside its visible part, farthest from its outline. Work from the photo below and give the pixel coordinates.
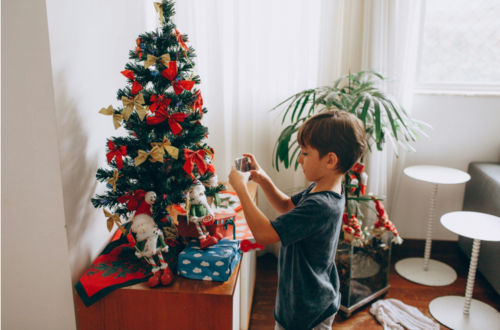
(308, 287)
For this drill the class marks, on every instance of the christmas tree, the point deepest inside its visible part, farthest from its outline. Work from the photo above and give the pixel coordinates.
(161, 110)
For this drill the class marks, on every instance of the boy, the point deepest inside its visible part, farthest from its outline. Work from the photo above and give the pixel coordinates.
(309, 226)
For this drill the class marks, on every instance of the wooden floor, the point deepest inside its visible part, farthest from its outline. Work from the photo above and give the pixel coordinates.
(401, 289)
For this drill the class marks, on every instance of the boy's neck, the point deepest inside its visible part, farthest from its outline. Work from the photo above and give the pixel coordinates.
(331, 182)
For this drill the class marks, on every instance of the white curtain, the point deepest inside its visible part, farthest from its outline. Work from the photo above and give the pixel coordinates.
(254, 54)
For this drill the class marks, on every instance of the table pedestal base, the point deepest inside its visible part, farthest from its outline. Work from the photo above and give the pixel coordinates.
(438, 274)
(448, 311)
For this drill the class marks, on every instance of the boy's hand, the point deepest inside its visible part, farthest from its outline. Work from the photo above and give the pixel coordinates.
(258, 174)
(238, 179)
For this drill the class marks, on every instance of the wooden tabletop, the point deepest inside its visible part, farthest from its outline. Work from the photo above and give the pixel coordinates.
(184, 285)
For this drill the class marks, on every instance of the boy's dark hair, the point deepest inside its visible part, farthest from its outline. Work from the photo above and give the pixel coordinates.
(335, 131)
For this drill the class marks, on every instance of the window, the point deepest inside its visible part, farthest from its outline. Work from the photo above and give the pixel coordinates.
(460, 46)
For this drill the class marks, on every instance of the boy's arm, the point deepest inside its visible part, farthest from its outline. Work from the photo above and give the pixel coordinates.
(281, 202)
(264, 233)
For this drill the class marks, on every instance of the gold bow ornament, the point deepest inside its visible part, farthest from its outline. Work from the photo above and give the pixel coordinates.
(165, 58)
(159, 9)
(112, 181)
(207, 151)
(156, 156)
(137, 103)
(117, 118)
(167, 146)
(114, 218)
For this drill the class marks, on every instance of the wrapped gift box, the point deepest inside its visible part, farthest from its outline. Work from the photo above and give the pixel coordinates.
(223, 224)
(215, 263)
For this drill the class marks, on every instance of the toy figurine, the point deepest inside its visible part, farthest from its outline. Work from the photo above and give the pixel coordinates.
(150, 241)
(352, 230)
(212, 183)
(383, 223)
(201, 214)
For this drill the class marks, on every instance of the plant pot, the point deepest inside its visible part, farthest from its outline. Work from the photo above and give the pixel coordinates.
(363, 272)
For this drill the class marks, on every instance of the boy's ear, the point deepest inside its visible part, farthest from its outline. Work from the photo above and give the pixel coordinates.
(331, 160)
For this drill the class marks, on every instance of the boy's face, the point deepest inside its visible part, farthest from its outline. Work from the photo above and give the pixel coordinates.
(313, 167)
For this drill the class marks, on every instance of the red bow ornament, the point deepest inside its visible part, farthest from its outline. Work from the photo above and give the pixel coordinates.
(192, 157)
(158, 102)
(173, 120)
(183, 45)
(119, 153)
(198, 103)
(138, 48)
(133, 199)
(179, 85)
(136, 87)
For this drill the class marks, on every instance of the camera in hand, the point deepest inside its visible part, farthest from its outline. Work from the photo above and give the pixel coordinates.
(242, 165)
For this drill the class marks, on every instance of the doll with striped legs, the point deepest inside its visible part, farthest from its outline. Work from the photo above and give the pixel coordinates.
(150, 241)
(201, 214)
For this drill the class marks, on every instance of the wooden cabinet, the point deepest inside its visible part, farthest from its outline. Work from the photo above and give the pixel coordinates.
(186, 304)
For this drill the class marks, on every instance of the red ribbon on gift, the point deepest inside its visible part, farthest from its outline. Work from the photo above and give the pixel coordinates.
(246, 246)
(159, 102)
(173, 120)
(119, 153)
(136, 87)
(198, 103)
(183, 45)
(191, 157)
(179, 85)
(133, 199)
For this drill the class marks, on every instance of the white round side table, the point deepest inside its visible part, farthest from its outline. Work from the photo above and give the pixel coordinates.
(465, 313)
(425, 270)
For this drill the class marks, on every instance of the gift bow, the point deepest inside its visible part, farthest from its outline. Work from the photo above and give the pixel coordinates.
(179, 85)
(129, 105)
(165, 144)
(183, 45)
(198, 102)
(159, 9)
(112, 181)
(191, 157)
(246, 246)
(117, 118)
(133, 199)
(152, 60)
(159, 102)
(207, 151)
(156, 156)
(173, 120)
(114, 218)
(119, 153)
(136, 87)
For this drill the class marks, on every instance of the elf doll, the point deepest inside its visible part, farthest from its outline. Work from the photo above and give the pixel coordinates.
(201, 214)
(150, 241)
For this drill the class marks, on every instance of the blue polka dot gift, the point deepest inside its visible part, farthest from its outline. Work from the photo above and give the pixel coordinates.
(215, 263)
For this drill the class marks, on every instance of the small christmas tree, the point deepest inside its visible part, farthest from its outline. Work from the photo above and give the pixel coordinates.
(161, 110)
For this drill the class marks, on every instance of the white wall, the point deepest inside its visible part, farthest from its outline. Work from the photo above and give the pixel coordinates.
(466, 129)
(36, 283)
(89, 42)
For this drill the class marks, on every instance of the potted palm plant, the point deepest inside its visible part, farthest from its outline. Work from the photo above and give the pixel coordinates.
(363, 255)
